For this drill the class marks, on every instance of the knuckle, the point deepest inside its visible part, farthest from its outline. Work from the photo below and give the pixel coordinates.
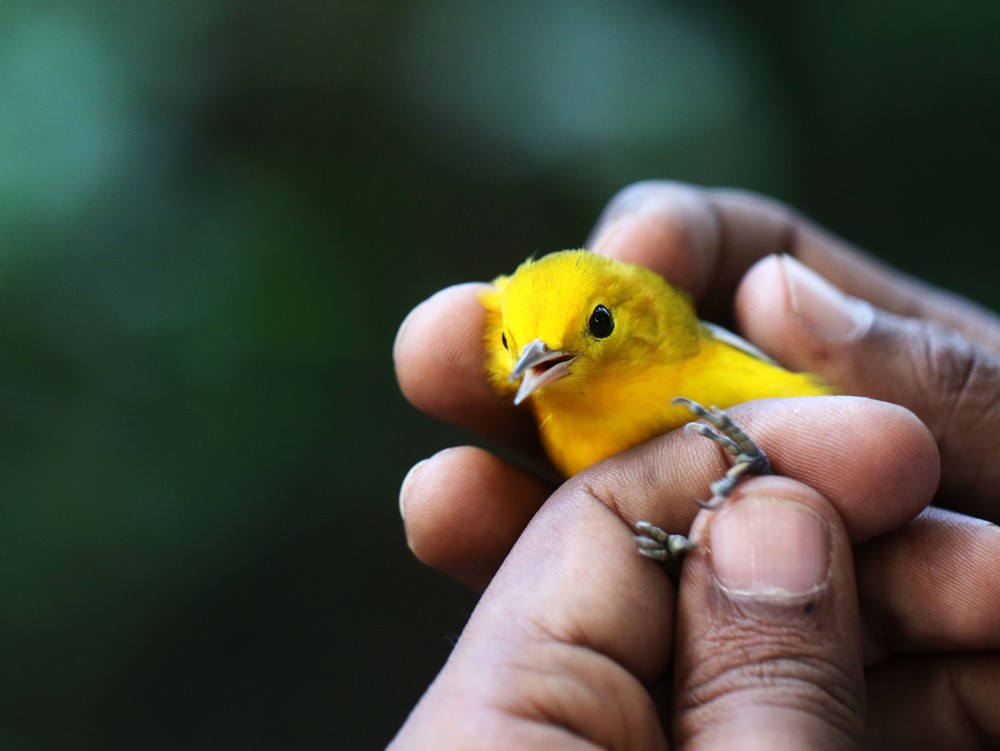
(955, 381)
(945, 361)
(953, 386)
(787, 674)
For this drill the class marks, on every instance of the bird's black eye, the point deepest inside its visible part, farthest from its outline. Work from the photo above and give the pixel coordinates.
(601, 324)
(503, 340)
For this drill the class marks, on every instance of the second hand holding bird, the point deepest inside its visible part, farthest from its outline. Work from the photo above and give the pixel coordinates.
(609, 355)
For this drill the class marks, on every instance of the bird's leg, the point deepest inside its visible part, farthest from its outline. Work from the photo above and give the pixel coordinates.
(749, 458)
(652, 541)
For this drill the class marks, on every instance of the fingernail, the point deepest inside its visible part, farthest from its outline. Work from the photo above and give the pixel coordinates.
(404, 489)
(769, 547)
(820, 307)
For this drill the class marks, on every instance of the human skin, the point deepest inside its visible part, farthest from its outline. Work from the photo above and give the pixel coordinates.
(924, 590)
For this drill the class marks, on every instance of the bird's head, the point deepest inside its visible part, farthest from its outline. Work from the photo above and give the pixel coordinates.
(563, 320)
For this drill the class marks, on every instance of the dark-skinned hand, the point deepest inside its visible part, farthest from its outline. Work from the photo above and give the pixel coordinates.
(915, 624)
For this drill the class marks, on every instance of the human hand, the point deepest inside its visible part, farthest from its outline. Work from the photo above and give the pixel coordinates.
(926, 349)
(876, 333)
(571, 644)
(921, 587)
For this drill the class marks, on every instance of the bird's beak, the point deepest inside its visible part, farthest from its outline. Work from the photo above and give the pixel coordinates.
(539, 365)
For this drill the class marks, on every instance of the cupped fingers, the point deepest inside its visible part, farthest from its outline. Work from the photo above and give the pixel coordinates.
(945, 379)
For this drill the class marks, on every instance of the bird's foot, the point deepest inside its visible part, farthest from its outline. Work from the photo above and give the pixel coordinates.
(750, 459)
(652, 541)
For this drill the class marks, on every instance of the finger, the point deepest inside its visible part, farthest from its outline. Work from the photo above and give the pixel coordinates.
(853, 270)
(705, 240)
(464, 508)
(768, 653)
(935, 701)
(668, 227)
(558, 649)
(950, 383)
(932, 585)
(874, 460)
(440, 366)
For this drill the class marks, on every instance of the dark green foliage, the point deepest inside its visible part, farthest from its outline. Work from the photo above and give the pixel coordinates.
(214, 215)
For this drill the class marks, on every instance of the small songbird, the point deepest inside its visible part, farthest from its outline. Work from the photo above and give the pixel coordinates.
(600, 349)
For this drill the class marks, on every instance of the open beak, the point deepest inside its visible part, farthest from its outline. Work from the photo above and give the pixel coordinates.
(539, 365)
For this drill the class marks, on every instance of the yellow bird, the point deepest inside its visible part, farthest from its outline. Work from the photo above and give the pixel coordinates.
(600, 350)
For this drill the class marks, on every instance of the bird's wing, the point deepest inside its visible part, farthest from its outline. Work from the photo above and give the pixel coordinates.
(736, 342)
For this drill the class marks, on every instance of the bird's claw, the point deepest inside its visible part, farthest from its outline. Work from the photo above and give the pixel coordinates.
(654, 543)
(750, 459)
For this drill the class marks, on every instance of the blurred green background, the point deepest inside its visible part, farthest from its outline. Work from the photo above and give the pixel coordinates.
(214, 215)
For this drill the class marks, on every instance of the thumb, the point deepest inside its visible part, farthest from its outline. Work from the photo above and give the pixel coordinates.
(942, 375)
(768, 632)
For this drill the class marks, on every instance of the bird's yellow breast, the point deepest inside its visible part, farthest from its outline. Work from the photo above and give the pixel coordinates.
(620, 384)
(610, 416)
